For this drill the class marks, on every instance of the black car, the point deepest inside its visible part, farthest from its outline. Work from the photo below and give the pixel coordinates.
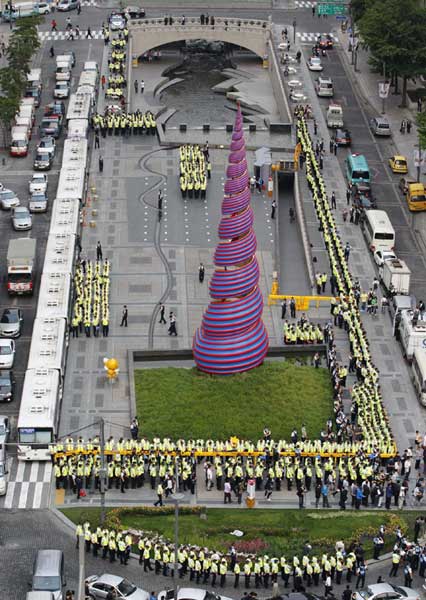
(363, 197)
(7, 386)
(342, 137)
(43, 161)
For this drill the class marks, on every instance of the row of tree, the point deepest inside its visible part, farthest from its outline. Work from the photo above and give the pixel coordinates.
(394, 31)
(23, 43)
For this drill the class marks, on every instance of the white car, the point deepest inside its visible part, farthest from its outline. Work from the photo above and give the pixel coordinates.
(380, 256)
(47, 144)
(21, 219)
(38, 183)
(314, 64)
(123, 588)
(62, 89)
(191, 594)
(7, 353)
(8, 199)
(43, 8)
(388, 591)
(117, 22)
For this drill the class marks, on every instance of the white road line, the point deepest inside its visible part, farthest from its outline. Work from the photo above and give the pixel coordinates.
(9, 496)
(20, 471)
(23, 495)
(37, 494)
(34, 471)
(47, 475)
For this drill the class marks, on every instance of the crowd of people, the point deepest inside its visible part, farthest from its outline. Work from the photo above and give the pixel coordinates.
(194, 170)
(208, 566)
(91, 302)
(302, 332)
(124, 123)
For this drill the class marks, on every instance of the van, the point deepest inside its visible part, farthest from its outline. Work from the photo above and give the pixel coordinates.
(378, 230)
(48, 572)
(324, 87)
(418, 374)
(357, 170)
(63, 71)
(19, 141)
(66, 5)
(380, 126)
(27, 102)
(24, 122)
(33, 92)
(91, 65)
(28, 111)
(334, 116)
(397, 306)
(66, 59)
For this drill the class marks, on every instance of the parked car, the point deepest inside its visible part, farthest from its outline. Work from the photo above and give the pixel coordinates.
(43, 161)
(38, 202)
(134, 12)
(54, 109)
(121, 587)
(43, 8)
(117, 22)
(191, 594)
(342, 137)
(314, 64)
(380, 256)
(62, 89)
(8, 199)
(7, 353)
(377, 591)
(38, 183)
(11, 322)
(7, 386)
(66, 5)
(4, 430)
(47, 144)
(380, 126)
(51, 126)
(21, 218)
(398, 164)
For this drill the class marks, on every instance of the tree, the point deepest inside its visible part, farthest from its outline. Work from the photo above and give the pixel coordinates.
(358, 8)
(394, 32)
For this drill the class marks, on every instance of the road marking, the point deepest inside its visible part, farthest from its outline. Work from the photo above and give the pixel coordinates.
(47, 476)
(24, 494)
(38, 489)
(46, 36)
(34, 471)
(9, 496)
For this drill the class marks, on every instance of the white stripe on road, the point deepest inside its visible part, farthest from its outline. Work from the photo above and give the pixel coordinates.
(38, 490)
(20, 471)
(47, 475)
(23, 495)
(9, 496)
(34, 471)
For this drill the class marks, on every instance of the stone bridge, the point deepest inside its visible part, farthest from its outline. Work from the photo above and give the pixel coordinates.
(252, 34)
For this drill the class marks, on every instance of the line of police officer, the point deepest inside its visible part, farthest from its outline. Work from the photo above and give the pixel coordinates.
(116, 67)
(211, 567)
(371, 414)
(123, 123)
(91, 303)
(302, 332)
(194, 170)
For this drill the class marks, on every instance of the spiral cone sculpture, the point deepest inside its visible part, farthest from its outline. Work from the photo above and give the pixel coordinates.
(232, 337)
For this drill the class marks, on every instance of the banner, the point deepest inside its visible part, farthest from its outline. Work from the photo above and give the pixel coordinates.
(384, 87)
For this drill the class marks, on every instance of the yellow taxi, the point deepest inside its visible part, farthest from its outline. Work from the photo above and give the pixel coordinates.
(398, 164)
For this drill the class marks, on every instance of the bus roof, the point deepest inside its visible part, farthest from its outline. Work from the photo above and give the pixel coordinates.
(79, 106)
(420, 356)
(65, 216)
(54, 296)
(48, 344)
(39, 398)
(59, 256)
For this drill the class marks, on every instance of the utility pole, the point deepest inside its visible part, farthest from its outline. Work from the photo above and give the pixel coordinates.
(102, 471)
(81, 555)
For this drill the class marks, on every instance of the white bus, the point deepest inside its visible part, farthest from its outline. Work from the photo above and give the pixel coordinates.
(65, 217)
(88, 78)
(39, 413)
(79, 107)
(378, 230)
(49, 344)
(75, 154)
(411, 336)
(418, 374)
(72, 182)
(77, 128)
(55, 296)
(59, 254)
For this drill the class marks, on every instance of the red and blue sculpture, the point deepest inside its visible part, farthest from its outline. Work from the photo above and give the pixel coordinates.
(232, 337)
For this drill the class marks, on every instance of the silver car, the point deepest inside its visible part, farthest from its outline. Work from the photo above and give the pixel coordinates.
(378, 591)
(380, 126)
(38, 202)
(99, 587)
(8, 199)
(21, 218)
(38, 183)
(47, 144)
(11, 322)
(62, 89)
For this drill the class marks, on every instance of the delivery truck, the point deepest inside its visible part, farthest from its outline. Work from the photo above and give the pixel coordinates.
(412, 333)
(395, 276)
(21, 266)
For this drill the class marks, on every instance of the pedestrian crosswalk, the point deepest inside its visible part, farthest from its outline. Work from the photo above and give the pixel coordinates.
(54, 36)
(304, 4)
(89, 3)
(29, 484)
(309, 36)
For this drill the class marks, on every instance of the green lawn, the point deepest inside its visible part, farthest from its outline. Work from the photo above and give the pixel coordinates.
(275, 531)
(174, 402)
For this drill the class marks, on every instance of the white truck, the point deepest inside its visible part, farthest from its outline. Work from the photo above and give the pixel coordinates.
(395, 276)
(334, 116)
(21, 266)
(411, 335)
